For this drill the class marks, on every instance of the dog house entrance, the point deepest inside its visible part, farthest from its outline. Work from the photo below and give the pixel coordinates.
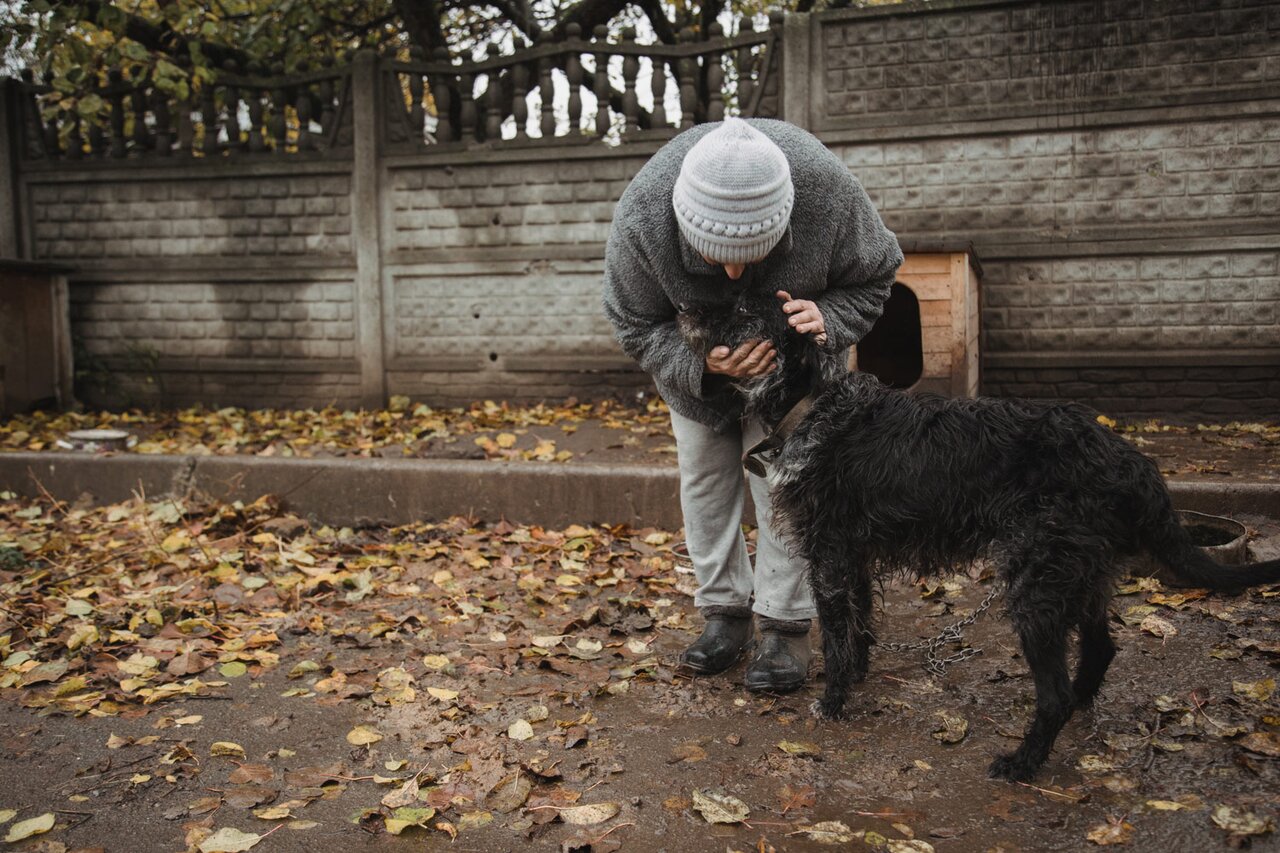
(892, 350)
(927, 338)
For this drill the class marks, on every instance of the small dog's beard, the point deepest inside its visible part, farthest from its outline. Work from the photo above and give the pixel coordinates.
(762, 394)
(754, 317)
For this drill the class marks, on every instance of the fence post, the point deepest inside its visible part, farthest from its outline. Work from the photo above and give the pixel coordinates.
(796, 70)
(366, 228)
(10, 142)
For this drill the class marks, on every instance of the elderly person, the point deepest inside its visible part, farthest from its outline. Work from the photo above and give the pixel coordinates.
(741, 204)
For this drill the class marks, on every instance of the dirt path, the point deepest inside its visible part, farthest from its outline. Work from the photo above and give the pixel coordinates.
(526, 678)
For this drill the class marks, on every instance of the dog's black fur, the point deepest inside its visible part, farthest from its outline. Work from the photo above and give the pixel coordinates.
(874, 481)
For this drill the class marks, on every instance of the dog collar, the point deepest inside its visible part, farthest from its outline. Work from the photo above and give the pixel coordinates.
(776, 436)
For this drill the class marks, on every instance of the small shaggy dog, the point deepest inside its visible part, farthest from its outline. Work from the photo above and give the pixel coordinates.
(872, 481)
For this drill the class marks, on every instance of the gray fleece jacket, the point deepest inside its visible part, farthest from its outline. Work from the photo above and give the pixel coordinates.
(836, 252)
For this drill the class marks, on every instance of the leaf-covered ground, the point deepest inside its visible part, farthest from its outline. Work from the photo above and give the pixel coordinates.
(185, 676)
(602, 431)
(484, 430)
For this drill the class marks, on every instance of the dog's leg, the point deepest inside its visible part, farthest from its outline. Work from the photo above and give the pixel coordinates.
(844, 611)
(1044, 644)
(1096, 652)
(838, 652)
(1045, 648)
(863, 631)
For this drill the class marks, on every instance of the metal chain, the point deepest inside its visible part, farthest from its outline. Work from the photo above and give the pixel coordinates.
(954, 633)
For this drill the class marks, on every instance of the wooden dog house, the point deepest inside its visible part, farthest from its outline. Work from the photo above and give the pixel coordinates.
(35, 336)
(927, 338)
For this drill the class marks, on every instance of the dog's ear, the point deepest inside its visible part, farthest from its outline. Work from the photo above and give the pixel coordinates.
(694, 326)
(827, 365)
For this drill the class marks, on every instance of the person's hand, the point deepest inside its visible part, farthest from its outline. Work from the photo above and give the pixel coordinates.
(804, 317)
(754, 358)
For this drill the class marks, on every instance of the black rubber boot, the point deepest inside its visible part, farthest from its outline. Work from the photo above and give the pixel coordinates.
(781, 663)
(727, 632)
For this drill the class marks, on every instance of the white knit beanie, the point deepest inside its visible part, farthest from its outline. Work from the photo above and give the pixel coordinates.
(734, 194)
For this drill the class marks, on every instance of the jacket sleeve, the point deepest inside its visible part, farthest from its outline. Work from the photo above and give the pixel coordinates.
(643, 318)
(864, 264)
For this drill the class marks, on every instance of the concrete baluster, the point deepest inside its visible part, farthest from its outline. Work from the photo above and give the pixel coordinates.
(493, 108)
(231, 119)
(97, 139)
(715, 80)
(467, 83)
(658, 86)
(138, 105)
(278, 126)
(302, 105)
(209, 118)
(744, 62)
(164, 122)
(442, 95)
(327, 112)
(256, 142)
(520, 99)
(602, 82)
(630, 71)
(573, 71)
(547, 92)
(688, 91)
(416, 89)
(115, 81)
(75, 141)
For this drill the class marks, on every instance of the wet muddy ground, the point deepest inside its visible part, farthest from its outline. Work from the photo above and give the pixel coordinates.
(511, 680)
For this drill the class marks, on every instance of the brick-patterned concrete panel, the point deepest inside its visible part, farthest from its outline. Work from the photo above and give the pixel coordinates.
(1053, 185)
(516, 315)
(250, 389)
(1162, 302)
(1180, 393)
(215, 320)
(196, 217)
(525, 204)
(1034, 57)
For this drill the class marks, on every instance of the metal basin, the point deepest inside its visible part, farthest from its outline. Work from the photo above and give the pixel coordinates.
(1222, 539)
(93, 440)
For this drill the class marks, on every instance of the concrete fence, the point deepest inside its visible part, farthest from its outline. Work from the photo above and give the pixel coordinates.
(1116, 166)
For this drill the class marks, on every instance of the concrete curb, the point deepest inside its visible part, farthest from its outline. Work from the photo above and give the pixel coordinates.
(398, 491)
(366, 491)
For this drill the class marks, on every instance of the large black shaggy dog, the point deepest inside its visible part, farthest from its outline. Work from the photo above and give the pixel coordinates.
(873, 481)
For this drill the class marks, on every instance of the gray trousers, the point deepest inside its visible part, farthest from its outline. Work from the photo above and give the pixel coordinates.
(711, 499)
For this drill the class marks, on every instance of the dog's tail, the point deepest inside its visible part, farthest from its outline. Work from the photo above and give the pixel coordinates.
(1171, 544)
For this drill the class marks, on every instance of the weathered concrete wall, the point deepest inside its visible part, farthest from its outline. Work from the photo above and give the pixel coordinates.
(492, 274)
(205, 283)
(1116, 166)
(192, 216)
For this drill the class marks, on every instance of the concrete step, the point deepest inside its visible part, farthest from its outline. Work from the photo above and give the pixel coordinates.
(396, 491)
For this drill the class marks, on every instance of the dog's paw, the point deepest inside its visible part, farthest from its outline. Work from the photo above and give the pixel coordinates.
(1084, 701)
(827, 710)
(1012, 767)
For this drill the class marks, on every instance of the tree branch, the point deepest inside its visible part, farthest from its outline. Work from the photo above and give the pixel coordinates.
(658, 18)
(587, 15)
(421, 19)
(711, 10)
(163, 38)
(518, 15)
